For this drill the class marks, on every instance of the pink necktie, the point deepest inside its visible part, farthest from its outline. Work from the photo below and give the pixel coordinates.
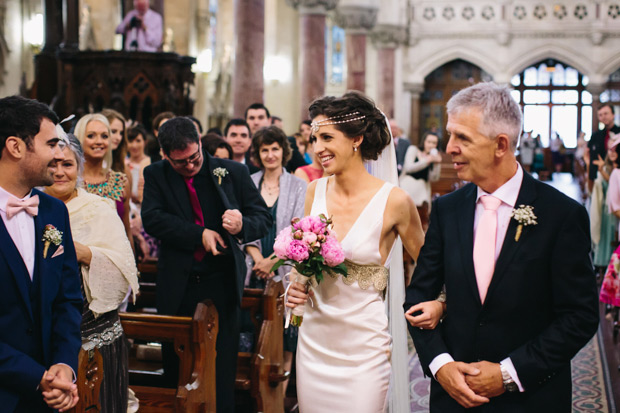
(484, 244)
(198, 217)
(30, 205)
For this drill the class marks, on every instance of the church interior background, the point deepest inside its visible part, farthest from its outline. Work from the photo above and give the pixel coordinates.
(562, 57)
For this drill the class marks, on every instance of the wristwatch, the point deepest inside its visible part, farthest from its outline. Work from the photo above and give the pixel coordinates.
(509, 383)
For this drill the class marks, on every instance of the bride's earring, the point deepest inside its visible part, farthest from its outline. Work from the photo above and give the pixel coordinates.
(355, 149)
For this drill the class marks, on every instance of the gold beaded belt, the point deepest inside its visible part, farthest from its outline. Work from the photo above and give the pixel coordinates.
(365, 275)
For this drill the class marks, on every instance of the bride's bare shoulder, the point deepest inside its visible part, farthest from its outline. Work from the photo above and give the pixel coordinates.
(398, 198)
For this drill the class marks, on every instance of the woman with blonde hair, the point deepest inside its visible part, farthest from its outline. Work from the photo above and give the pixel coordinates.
(93, 132)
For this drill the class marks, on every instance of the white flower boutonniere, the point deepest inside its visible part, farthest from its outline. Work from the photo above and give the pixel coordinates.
(220, 173)
(51, 235)
(524, 215)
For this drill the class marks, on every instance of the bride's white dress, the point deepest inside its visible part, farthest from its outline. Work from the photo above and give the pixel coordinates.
(344, 347)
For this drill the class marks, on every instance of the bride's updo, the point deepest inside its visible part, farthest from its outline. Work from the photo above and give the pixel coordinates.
(354, 114)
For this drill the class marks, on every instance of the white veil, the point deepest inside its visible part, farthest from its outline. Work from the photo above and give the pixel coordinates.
(385, 169)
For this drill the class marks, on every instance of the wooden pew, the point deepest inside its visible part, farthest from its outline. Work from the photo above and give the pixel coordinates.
(260, 374)
(194, 343)
(89, 377)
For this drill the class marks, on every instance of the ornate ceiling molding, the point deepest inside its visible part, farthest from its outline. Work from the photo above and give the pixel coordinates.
(354, 19)
(313, 6)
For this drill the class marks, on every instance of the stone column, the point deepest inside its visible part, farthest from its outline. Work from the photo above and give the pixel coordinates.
(386, 38)
(357, 22)
(248, 85)
(415, 90)
(312, 46)
(596, 89)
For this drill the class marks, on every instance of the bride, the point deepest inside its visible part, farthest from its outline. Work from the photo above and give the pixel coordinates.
(344, 350)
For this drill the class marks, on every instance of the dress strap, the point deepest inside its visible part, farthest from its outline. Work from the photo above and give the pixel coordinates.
(319, 205)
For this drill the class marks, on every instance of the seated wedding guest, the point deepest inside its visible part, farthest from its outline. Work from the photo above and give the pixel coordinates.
(93, 132)
(603, 223)
(107, 268)
(421, 167)
(196, 123)
(153, 149)
(137, 161)
(284, 195)
(118, 140)
(304, 140)
(217, 146)
(314, 170)
(142, 28)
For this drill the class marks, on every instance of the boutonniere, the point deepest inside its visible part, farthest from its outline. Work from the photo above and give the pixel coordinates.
(51, 235)
(524, 215)
(220, 173)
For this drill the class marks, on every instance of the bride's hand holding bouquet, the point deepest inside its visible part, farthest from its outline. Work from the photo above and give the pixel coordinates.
(311, 247)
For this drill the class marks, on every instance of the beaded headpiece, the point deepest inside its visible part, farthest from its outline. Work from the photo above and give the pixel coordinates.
(349, 117)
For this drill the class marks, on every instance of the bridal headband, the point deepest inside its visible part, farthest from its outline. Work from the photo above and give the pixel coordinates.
(349, 117)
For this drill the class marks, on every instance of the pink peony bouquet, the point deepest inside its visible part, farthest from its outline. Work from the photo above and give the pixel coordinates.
(311, 247)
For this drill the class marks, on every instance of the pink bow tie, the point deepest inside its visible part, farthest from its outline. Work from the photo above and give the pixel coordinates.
(30, 205)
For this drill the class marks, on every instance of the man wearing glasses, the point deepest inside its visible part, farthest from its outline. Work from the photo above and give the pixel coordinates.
(199, 207)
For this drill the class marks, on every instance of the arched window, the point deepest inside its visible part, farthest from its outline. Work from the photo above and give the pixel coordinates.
(554, 100)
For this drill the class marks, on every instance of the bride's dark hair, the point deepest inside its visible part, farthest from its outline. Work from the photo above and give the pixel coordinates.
(372, 127)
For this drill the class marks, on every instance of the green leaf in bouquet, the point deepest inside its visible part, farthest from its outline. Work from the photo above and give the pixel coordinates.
(277, 265)
(340, 269)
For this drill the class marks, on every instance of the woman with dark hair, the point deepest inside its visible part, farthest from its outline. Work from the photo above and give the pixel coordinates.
(284, 195)
(137, 161)
(348, 343)
(107, 270)
(217, 146)
(421, 167)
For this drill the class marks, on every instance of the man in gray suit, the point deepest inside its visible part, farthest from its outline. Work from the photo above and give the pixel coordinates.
(401, 143)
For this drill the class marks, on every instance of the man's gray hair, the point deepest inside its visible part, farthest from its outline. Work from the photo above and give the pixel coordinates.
(500, 113)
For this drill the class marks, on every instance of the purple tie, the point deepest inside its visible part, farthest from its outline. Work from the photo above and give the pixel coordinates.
(484, 244)
(198, 217)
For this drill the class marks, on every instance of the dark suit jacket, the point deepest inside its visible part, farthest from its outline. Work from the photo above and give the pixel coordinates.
(401, 150)
(39, 319)
(597, 147)
(167, 215)
(541, 306)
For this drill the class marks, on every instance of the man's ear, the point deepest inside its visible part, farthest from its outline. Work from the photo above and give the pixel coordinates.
(502, 145)
(14, 147)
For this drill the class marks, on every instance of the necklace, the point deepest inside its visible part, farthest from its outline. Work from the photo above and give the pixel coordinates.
(271, 190)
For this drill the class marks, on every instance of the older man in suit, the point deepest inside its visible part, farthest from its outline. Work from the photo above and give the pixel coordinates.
(40, 298)
(200, 208)
(513, 254)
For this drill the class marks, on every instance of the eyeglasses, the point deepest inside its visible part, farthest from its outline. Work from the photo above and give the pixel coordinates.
(194, 159)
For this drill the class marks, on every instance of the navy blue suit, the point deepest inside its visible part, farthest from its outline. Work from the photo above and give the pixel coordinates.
(39, 319)
(541, 307)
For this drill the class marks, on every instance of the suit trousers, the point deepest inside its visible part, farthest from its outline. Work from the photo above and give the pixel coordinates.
(219, 287)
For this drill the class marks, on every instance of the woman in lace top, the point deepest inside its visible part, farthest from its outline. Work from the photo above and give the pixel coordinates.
(93, 132)
(108, 271)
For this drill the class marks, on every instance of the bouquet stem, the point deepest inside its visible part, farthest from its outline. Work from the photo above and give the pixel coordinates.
(296, 320)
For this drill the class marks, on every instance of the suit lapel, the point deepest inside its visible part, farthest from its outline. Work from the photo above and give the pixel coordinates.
(211, 164)
(16, 264)
(465, 218)
(179, 191)
(527, 195)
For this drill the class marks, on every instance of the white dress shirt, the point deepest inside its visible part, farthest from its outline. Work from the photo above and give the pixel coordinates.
(21, 230)
(508, 194)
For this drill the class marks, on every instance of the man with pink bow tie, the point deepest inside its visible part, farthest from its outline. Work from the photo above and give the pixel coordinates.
(40, 298)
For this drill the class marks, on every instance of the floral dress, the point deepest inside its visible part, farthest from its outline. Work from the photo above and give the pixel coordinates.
(610, 289)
